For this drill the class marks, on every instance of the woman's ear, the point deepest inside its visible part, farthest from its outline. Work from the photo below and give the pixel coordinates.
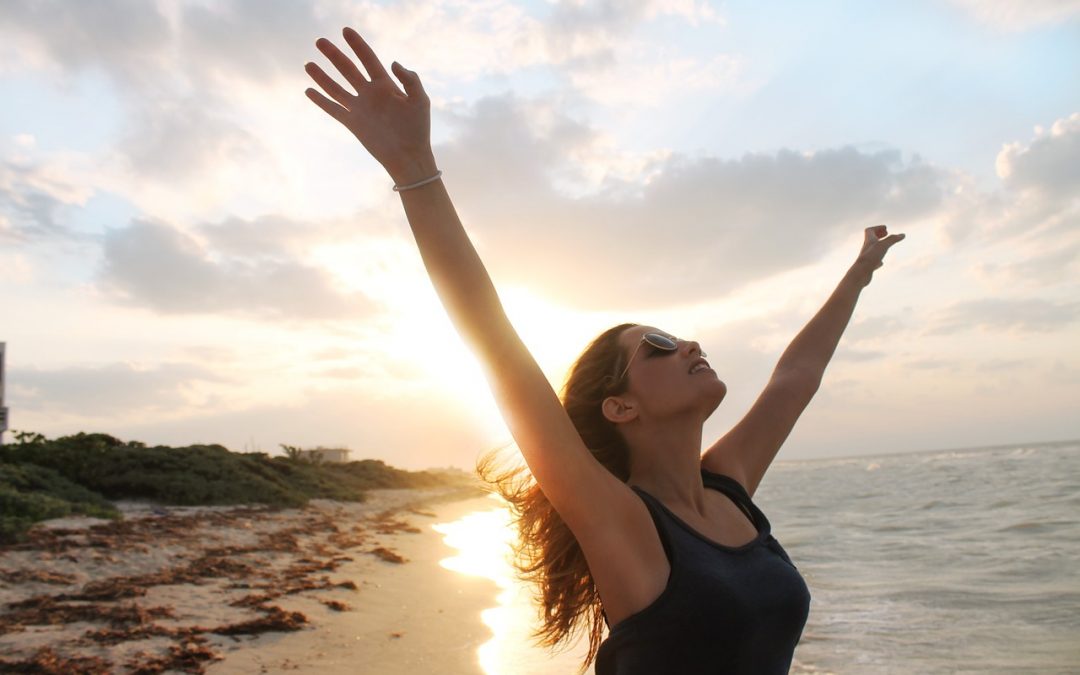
(618, 410)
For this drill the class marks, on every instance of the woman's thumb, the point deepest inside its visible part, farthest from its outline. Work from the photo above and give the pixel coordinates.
(408, 78)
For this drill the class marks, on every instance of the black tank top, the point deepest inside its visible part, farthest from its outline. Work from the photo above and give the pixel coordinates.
(724, 610)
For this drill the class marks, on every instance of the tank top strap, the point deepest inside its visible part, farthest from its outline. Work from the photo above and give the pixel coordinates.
(735, 490)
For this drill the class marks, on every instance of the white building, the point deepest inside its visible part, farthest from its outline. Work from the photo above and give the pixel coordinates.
(337, 455)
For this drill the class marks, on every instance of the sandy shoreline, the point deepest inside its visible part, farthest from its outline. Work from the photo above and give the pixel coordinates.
(331, 588)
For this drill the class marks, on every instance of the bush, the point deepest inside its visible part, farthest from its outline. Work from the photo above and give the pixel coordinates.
(42, 478)
(29, 493)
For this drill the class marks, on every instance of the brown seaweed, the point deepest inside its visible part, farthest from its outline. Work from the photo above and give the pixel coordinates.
(45, 661)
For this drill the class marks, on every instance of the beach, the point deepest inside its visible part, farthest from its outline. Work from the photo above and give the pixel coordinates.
(932, 562)
(334, 587)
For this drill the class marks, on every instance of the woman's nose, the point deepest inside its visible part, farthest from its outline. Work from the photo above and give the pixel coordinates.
(693, 347)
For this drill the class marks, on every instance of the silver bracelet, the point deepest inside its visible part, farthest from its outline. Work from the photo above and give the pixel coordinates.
(399, 188)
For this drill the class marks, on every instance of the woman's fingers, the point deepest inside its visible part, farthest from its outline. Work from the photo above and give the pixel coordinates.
(332, 109)
(343, 63)
(336, 91)
(877, 234)
(367, 55)
(410, 80)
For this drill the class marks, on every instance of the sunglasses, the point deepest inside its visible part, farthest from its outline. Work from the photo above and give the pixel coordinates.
(661, 343)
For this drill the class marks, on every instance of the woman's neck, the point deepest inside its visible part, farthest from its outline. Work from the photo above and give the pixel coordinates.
(666, 463)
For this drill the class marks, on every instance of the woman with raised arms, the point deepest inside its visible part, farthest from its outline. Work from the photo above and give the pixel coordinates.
(623, 519)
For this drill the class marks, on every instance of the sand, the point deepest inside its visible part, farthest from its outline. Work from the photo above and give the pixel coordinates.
(331, 588)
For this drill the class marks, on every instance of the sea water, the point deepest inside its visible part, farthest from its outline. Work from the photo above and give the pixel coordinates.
(962, 561)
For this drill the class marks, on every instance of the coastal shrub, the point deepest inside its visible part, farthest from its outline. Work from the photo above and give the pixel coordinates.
(29, 493)
(42, 478)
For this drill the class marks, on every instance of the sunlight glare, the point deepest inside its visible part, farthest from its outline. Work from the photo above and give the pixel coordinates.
(483, 540)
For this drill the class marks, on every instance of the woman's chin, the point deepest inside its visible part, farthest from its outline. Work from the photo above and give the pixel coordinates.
(717, 392)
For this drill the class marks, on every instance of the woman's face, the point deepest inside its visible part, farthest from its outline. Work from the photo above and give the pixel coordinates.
(669, 382)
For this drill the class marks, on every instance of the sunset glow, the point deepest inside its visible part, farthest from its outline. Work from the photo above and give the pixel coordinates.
(190, 251)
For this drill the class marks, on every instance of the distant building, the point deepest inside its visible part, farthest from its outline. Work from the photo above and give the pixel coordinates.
(338, 455)
(3, 410)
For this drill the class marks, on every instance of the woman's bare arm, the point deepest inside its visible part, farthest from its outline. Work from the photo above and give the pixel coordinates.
(394, 127)
(752, 444)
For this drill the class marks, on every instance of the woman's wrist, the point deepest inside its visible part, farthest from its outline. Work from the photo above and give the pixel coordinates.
(860, 274)
(412, 169)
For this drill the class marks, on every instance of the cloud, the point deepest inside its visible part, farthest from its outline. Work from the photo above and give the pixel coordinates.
(144, 49)
(448, 38)
(397, 429)
(34, 199)
(187, 72)
(695, 229)
(1021, 315)
(1049, 264)
(154, 265)
(16, 269)
(1049, 164)
(255, 40)
(587, 34)
(107, 389)
(875, 327)
(170, 140)
(124, 38)
(852, 354)
(597, 48)
(598, 51)
(1019, 15)
(1028, 232)
(166, 71)
(267, 235)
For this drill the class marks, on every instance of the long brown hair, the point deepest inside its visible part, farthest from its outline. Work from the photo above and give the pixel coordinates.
(547, 554)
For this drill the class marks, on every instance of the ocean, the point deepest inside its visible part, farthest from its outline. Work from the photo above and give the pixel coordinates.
(960, 561)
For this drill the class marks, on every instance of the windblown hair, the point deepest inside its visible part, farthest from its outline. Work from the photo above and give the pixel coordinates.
(547, 554)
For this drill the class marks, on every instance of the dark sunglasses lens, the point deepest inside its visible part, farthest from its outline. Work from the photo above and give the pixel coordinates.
(661, 342)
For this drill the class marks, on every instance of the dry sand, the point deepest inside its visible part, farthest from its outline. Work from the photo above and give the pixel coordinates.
(331, 588)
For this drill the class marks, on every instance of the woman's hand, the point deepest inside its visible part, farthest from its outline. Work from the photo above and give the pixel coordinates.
(394, 127)
(872, 255)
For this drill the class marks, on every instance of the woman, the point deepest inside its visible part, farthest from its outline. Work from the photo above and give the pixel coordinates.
(623, 520)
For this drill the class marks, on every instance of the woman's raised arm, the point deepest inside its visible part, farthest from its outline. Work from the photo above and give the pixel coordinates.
(749, 448)
(394, 126)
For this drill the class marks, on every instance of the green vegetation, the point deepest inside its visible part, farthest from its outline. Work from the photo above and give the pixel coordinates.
(83, 473)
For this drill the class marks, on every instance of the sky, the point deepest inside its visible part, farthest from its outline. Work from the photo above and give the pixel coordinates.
(192, 252)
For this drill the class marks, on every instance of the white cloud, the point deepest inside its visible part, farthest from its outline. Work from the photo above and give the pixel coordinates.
(173, 141)
(1027, 233)
(15, 268)
(35, 197)
(211, 92)
(589, 33)
(124, 38)
(600, 52)
(1005, 314)
(649, 76)
(677, 234)
(114, 388)
(254, 40)
(461, 39)
(1018, 15)
(157, 266)
(1049, 163)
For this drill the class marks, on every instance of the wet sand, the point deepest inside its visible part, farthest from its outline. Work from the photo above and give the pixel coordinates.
(331, 588)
